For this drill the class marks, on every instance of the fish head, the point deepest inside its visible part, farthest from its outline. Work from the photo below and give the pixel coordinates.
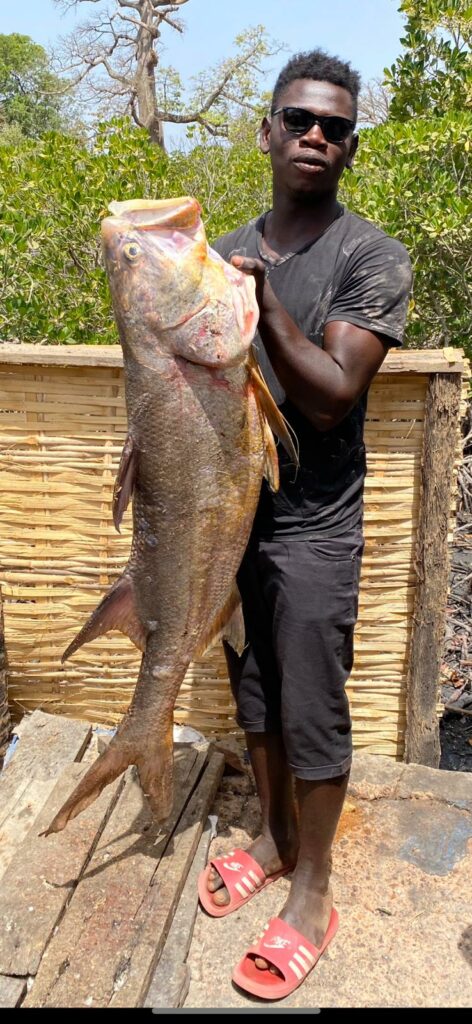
(172, 295)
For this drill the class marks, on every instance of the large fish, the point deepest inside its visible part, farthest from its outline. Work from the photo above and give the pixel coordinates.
(199, 441)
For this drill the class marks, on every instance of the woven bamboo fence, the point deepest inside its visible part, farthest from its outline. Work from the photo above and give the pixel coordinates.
(62, 427)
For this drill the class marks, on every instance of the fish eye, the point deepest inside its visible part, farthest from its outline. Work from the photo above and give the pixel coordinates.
(131, 250)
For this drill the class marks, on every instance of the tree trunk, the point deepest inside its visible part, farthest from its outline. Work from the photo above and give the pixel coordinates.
(432, 566)
(145, 80)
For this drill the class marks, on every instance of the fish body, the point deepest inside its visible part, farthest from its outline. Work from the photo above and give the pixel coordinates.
(198, 444)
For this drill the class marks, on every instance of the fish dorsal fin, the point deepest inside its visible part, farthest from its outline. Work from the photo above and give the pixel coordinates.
(275, 419)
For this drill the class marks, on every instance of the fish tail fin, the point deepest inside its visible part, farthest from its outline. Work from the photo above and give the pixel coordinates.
(277, 422)
(151, 752)
(111, 763)
(155, 764)
(117, 610)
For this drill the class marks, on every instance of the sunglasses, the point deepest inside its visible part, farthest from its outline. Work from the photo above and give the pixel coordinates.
(298, 121)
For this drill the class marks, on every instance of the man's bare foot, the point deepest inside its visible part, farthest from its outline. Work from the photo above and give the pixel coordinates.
(270, 856)
(308, 909)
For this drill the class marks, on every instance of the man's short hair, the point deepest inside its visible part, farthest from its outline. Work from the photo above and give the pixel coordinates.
(318, 65)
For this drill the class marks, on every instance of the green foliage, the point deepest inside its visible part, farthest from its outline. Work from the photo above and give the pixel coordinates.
(434, 73)
(413, 180)
(53, 195)
(30, 102)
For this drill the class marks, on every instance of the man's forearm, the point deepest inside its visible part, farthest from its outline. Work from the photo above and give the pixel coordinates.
(311, 378)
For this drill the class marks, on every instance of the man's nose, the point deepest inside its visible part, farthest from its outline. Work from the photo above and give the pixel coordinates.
(314, 136)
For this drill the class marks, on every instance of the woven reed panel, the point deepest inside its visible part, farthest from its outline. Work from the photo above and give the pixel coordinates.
(61, 434)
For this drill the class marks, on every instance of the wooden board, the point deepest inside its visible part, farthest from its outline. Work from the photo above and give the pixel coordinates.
(11, 991)
(170, 982)
(106, 946)
(46, 743)
(436, 360)
(5, 719)
(40, 879)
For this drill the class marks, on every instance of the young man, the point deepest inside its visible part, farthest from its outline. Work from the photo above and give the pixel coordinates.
(333, 294)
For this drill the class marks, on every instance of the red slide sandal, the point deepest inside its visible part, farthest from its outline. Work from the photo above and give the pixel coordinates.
(289, 951)
(241, 875)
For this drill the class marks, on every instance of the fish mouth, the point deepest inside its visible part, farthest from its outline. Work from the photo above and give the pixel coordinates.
(149, 214)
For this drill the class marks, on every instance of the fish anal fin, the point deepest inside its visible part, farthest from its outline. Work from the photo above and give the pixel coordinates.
(276, 421)
(125, 481)
(228, 625)
(117, 610)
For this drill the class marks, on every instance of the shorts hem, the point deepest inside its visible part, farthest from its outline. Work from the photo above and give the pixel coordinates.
(258, 726)
(325, 771)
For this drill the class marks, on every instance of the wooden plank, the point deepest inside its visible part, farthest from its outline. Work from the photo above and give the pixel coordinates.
(19, 816)
(39, 881)
(102, 924)
(158, 909)
(5, 720)
(436, 360)
(432, 567)
(61, 355)
(46, 744)
(170, 982)
(12, 991)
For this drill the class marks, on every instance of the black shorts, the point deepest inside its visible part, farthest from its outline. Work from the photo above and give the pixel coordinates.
(300, 601)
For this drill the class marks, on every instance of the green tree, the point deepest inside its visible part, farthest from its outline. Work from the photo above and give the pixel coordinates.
(30, 94)
(434, 73)
(414, 181)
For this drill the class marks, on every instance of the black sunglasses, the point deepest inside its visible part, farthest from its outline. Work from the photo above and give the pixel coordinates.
(298, 121)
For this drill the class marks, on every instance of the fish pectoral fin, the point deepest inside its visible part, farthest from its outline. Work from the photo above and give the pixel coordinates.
(271, 461)
(117, 610)
(276, 421)
(125, 480)
(228, 625)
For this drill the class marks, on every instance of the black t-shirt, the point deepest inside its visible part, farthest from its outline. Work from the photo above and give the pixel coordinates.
(352, 272)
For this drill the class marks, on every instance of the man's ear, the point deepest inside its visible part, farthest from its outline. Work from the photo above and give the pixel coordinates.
(352, 151)
(264, 136)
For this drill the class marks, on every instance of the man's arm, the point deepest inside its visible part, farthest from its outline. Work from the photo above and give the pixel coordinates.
(324, 383)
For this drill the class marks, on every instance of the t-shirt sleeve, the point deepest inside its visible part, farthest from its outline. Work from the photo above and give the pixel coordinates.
(375, 288)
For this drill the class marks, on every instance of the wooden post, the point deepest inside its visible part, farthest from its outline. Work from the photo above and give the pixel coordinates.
(5, 720)
(432, 567)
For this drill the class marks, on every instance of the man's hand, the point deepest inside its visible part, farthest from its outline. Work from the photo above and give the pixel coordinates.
(257, 269)
(324, 383)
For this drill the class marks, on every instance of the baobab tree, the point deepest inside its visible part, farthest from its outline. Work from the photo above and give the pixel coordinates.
(116, 53)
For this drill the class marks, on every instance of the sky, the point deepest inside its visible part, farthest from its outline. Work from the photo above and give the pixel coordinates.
(365, 32)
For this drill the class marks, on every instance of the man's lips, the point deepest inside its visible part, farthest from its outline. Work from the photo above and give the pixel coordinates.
(313, 162)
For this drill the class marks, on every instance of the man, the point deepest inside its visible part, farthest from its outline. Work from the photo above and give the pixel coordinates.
(333, 294)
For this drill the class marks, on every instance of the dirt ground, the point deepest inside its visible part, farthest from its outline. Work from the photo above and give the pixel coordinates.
(401, 880)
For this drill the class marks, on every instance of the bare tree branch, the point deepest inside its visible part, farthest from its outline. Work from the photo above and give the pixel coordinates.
(123, 41)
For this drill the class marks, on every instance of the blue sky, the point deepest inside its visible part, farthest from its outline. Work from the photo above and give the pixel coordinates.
(366, 32)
